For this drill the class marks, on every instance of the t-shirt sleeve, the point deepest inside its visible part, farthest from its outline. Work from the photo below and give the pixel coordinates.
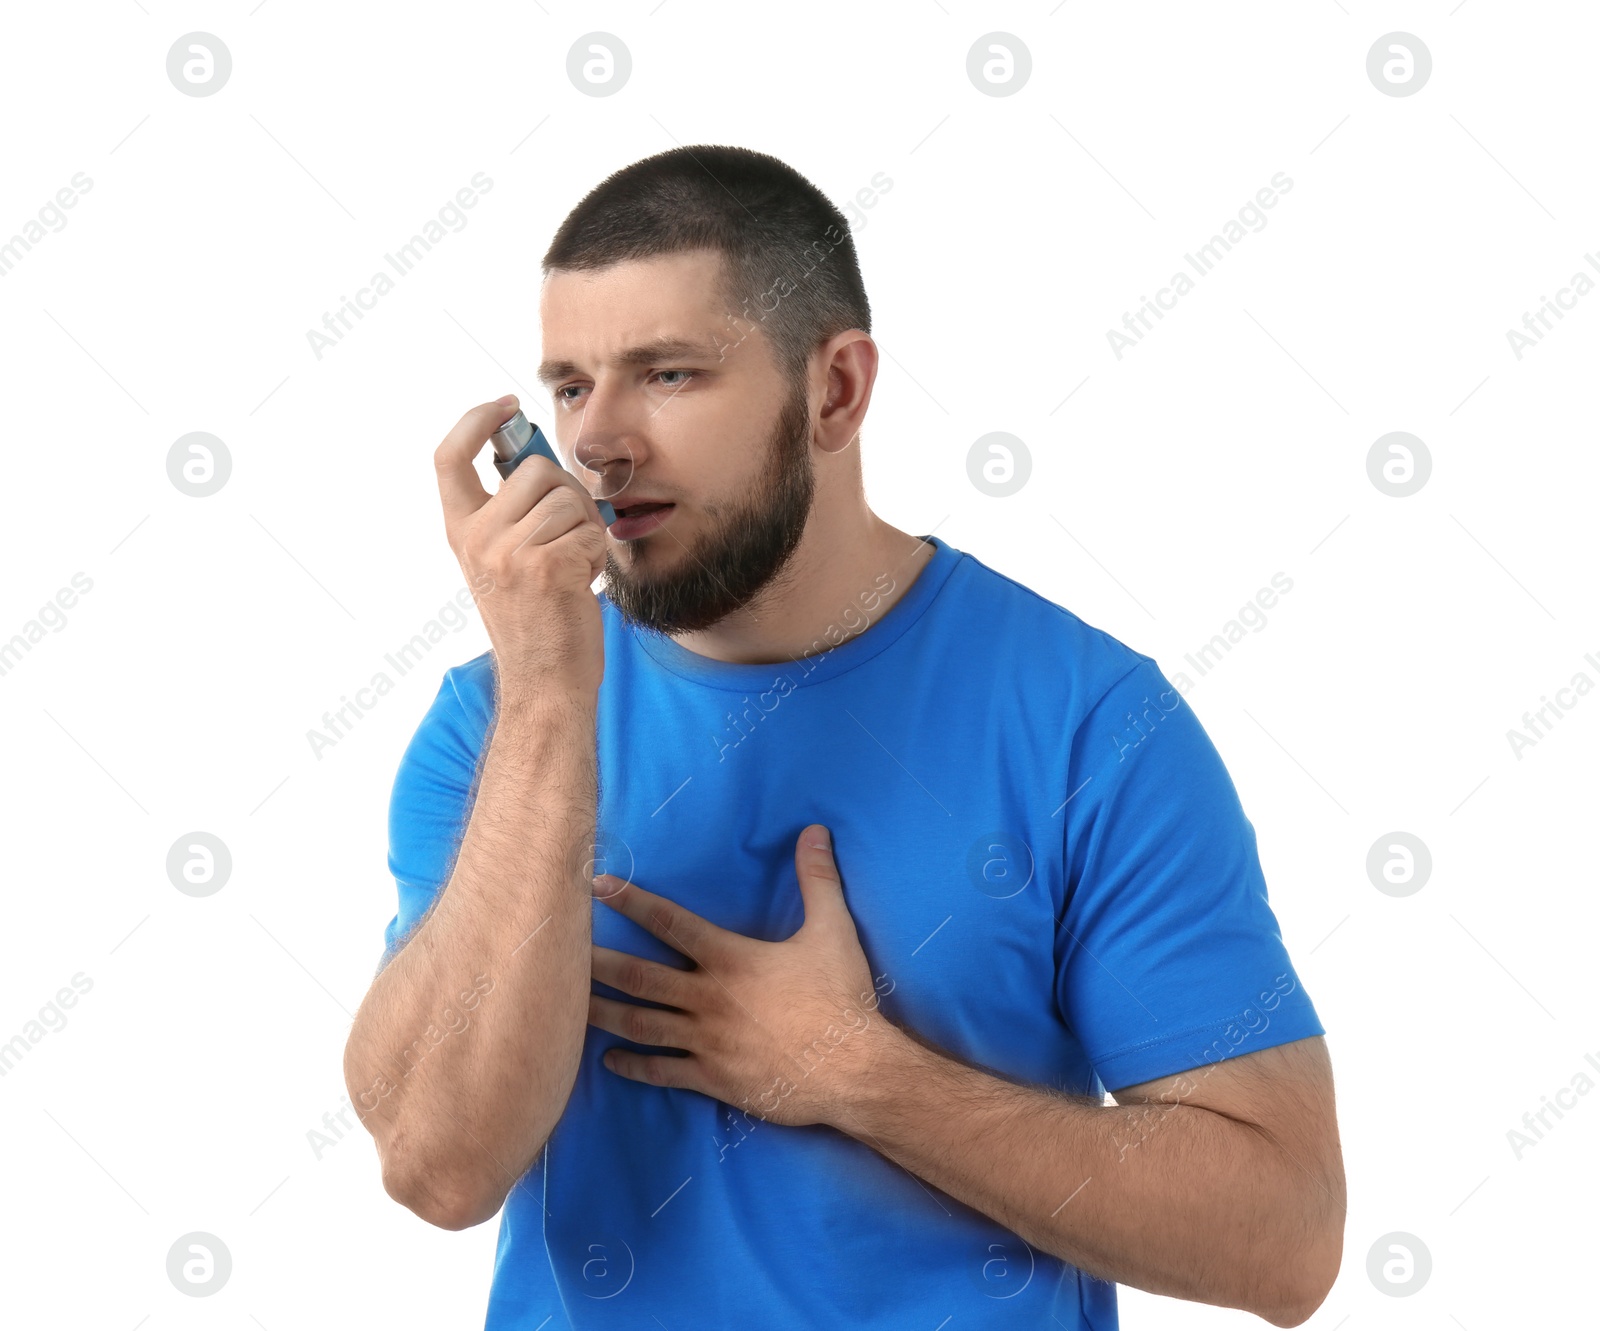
(429, 807)
(1168, 955)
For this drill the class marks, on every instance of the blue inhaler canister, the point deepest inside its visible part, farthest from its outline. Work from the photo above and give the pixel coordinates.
(518, 439)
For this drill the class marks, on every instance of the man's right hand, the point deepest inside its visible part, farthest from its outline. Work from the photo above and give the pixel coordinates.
(529, 552)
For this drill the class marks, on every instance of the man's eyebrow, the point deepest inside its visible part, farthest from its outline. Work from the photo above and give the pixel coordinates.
(646, 353)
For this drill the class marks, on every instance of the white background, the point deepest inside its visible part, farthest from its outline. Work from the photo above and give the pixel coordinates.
(1229, 445)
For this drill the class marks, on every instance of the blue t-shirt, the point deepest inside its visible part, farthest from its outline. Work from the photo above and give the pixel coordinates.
(1051, 876)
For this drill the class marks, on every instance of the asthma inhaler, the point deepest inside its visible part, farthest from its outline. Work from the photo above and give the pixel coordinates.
(518, 439)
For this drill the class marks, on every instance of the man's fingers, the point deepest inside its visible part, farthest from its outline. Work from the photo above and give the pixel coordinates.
(633, 975)
(460, 491)
(528, 487)
(676, 926)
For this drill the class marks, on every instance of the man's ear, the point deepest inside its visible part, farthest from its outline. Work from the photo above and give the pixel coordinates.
(851, 358)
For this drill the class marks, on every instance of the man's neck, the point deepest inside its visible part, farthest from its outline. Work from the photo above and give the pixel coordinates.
(841, 580)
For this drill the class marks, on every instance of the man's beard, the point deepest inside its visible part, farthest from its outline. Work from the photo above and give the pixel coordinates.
(723, 571)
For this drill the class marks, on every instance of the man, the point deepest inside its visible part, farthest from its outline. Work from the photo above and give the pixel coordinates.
(718, 1070)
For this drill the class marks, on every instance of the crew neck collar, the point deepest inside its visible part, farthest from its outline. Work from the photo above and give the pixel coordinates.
(819, 665)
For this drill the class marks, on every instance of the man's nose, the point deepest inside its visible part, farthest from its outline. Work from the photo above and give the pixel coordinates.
(609, 442)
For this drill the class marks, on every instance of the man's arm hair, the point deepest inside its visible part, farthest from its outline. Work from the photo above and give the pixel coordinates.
(1225, 1187)
(466, 1046)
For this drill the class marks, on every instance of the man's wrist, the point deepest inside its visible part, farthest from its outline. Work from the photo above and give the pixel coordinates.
(892, 1066)
(546, 715)
(558, 698)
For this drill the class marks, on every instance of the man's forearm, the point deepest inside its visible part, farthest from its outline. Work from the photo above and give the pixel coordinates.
(460, 1097)
(1206, 1208)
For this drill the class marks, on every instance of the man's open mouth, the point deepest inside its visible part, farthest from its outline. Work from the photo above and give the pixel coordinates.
(639, 518)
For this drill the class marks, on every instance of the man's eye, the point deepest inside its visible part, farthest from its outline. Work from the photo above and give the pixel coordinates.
(686, 375)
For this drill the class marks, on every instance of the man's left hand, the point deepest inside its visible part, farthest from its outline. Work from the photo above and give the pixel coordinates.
(781, 1029)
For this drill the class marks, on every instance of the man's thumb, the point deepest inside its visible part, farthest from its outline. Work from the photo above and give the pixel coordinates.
(820, 887)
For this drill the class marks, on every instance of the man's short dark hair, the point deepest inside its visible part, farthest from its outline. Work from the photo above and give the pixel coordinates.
(789, 262)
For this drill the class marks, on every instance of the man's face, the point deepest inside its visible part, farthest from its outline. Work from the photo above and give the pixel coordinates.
(712, 428)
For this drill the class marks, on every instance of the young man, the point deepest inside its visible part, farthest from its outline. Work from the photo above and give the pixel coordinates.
(719, 1069)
